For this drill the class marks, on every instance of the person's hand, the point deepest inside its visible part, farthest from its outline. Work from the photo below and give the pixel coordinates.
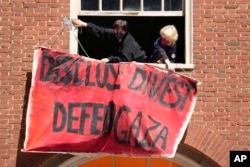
(170, 66)
(159, 61)
(78, 23)
(104, 60)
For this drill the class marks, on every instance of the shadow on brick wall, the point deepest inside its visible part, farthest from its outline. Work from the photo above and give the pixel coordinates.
(28, 159)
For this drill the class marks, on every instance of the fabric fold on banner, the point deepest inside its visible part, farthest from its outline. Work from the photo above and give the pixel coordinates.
(81, 105)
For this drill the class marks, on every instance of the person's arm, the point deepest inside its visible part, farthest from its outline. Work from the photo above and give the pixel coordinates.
(78, 23)
(126, 51)
(98, 31)
(114, 59)
(164, 59)
(158, 54)
(117, 59)
(105, 60)
(163, 56)
(170, 66)
(129, 51)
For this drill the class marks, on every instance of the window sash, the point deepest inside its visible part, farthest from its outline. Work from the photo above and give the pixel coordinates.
(96, 6)
(131, 13)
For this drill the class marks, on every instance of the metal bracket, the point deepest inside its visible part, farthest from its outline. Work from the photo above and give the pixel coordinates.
(68, 23)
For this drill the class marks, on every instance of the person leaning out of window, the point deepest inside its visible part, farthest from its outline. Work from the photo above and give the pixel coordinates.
(124, 46)
(165, 47)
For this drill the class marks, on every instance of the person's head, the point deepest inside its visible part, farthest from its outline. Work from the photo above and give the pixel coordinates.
(169, 35)
(120, 28)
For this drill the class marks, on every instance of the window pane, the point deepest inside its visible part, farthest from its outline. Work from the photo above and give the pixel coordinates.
(110, 4)
(173, 5)
(153, 5)
(131, 5)
(176, 4)
(89, 4)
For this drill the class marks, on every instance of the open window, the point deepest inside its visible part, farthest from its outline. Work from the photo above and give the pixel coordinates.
(145, 19)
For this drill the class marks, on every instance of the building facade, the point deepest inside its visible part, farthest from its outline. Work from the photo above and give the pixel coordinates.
(215, 40)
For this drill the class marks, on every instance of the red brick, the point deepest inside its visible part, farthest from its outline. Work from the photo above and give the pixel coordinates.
(221, 58)
(231, 6)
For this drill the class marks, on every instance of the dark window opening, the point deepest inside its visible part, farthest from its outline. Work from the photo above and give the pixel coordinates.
(145, 30)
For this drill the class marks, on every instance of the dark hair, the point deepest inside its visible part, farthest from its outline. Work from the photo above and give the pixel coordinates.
(121, 24)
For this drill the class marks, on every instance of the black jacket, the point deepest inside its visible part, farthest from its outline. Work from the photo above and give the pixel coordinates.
(162, 52)
(125, 51)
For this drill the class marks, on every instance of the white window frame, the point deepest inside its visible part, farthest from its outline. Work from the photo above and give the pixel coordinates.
(75, 11)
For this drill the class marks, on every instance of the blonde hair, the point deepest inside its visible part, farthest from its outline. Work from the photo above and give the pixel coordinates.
(170, 33)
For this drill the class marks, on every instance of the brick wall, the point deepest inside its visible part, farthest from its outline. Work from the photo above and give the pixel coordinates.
(23, 24)
(221, 58)
(222, 64)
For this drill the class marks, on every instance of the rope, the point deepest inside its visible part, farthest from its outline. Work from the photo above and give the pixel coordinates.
(81, 44)
(46, 42)
(68, 24)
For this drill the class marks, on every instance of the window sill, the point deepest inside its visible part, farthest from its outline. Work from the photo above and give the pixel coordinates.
(178, 66)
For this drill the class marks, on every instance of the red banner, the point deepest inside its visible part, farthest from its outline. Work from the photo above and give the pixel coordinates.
(81, 105)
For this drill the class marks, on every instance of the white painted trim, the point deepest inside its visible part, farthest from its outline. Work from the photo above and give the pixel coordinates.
(131, 13)
(75, 7)
(176, 65)
(189, 31)
(75, 11)
(163, 4)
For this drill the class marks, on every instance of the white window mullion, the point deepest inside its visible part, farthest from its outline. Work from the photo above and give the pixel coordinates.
(75, 8)
(100, 5)
(121, 5)
(142, 5)
(162, 5)
(188, 31)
